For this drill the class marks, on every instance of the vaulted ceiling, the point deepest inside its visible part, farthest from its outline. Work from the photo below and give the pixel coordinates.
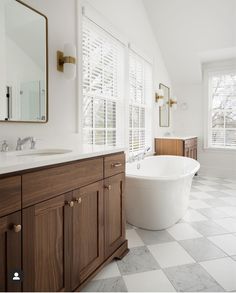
(190, 32)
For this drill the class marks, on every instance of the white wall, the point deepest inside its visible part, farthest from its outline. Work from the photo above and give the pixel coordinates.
(221, 163)
(128, 16)
(3, 100)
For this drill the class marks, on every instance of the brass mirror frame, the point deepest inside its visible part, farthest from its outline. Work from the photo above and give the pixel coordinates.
(46, 34)
(168, 105)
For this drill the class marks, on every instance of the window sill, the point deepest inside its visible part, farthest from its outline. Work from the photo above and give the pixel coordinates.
(220, 149)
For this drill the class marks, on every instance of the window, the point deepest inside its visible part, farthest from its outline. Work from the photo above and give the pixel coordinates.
(102, 85)
(222, 110)
(140, 93)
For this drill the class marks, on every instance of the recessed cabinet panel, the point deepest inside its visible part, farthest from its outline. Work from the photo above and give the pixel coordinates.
(88, 232)
(10, 252)
(114, 213)
(45, 245)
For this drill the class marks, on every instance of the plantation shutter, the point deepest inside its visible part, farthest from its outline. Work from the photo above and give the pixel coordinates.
(140, 94)
(222, 132)
(102, 85)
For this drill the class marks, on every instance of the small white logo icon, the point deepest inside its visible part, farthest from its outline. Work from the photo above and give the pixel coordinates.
(16, 277)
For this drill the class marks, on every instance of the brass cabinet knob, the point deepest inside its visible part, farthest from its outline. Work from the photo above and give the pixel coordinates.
(78, 200)
(108, 187)
(116, 165)
(17, 228)
(70, 203)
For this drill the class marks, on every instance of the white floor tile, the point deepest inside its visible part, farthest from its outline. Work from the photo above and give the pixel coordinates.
(153, 281)
(208, 182)
(109, 271)
(194, 216)
(230, 211)
(205, 188)
(170, 254)
(228, 224)
(226, 242)
(231, 200)
(183, 231)
(223, 270)
(202, 195)
(230, 192)
(133, 238)
(198, 204)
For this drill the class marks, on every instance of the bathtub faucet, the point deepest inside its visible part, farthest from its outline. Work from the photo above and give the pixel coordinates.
(139, 156)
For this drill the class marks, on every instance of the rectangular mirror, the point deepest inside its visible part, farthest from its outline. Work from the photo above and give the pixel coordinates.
(164, 111)
(24, 64)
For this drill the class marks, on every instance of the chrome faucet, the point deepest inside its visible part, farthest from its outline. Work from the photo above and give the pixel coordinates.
(22, 142)
(4, 147)
(139, 156)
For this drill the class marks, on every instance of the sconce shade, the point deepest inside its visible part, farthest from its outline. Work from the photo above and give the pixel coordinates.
(66, 61)
(160, 102)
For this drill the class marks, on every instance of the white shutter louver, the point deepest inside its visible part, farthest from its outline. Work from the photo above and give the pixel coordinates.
(140, 93)
(223, 110)
(102, 71)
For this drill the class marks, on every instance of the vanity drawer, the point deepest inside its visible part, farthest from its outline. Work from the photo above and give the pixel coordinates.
(10, 195)
(114, 164)
(42, 185)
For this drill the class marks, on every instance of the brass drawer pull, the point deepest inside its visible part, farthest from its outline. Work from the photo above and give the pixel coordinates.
(116, 165)
(108, 187)
(70, 203)
(17, 228)
(78, 200)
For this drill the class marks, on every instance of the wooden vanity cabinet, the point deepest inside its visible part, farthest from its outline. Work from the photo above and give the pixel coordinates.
(87, 245)
(73, 224)
(176, 147)
(10, 251)
(46, 243)
(114, 213)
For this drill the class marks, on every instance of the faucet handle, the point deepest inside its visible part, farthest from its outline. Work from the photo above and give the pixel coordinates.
(33, 143)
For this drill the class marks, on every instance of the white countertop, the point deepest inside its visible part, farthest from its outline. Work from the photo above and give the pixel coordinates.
(176, 137)
(11, 161)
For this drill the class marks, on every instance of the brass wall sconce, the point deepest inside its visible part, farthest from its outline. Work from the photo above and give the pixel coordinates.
(159, 97)
(66, 61)
(172, 103)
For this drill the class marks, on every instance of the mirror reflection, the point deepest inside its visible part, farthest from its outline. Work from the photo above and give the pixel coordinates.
(23, 59)
(164, 111)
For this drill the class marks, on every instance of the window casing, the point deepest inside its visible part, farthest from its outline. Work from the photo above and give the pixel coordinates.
(222, 109)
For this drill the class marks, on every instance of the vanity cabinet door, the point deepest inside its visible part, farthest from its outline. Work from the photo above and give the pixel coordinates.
(46, 245)
(10, 252)
(87, 232)
(114, 213)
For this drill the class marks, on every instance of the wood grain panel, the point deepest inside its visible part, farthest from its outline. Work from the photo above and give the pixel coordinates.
(10, 252)
(114, 164)
(42, 185)
(88, 232)
(10, 194)
(172, 147)
(114, 213)
(45, 242)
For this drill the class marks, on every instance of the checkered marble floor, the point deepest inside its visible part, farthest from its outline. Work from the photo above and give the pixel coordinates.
(196, 254)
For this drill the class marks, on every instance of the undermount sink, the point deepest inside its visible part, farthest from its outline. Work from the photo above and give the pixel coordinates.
(43, 152)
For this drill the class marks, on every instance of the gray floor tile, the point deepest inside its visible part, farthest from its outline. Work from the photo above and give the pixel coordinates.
(139, 259)
(154, 237)
(234, 257)
(218, 193)
(212, 213)
(193, 189)
(106, 285)
(202, 249)
(208, 228)
(192, 278)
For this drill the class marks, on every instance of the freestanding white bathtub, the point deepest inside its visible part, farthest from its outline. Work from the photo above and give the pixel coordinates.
(157, 190)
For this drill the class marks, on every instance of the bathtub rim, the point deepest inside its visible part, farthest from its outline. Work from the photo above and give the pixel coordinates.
(166, 178)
